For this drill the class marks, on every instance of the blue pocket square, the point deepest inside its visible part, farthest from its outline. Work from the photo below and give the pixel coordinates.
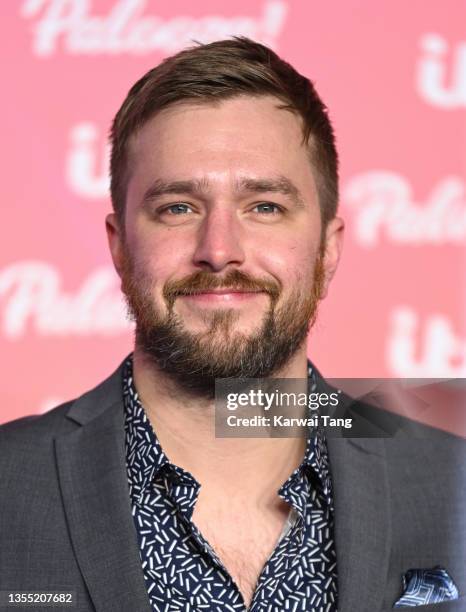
(426, 586)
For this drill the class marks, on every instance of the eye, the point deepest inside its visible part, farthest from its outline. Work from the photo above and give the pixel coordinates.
(179, 208)
(268, 208)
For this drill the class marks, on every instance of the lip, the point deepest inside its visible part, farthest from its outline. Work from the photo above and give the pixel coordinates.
(225, 291)
(223, 295)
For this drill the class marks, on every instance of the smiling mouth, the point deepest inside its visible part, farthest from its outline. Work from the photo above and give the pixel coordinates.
(224, 291)
(222, 295)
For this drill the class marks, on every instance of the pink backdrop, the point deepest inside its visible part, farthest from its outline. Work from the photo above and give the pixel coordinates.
(393, 74)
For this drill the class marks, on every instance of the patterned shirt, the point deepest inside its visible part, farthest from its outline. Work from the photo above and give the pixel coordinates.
(181, 570)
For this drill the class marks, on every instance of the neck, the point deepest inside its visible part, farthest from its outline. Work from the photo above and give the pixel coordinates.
(184, 424)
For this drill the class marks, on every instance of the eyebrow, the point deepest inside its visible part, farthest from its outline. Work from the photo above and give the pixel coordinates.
(280, 184)
(201, 187)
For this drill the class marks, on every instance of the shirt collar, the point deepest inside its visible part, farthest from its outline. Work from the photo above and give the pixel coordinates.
(146, 459)
(316, 455)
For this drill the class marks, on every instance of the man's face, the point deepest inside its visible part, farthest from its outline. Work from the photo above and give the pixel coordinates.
(221, 263)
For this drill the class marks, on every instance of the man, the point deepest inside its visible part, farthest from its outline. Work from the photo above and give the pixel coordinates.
(225, 237)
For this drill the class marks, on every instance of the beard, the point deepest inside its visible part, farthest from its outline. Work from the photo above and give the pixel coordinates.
(193, 360)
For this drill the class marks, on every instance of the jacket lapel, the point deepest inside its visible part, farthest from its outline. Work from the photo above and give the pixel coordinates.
(92, 474)
(362, 521)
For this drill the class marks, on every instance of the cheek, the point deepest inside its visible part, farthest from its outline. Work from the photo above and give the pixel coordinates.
(291, 261)
(159, 255)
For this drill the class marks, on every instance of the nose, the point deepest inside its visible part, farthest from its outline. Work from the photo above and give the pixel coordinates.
(219, 242)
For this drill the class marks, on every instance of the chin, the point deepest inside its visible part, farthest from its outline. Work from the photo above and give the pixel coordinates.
(238, 330)
(226, 320)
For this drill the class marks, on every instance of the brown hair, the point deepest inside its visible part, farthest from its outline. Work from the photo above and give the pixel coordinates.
(218, 71)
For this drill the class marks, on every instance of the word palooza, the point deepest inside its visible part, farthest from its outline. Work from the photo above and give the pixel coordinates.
(125, 29)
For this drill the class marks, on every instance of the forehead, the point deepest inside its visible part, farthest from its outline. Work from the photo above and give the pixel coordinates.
(245, 135)
(238, 125)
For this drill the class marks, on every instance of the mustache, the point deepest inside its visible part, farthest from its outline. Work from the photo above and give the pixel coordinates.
(202, 281)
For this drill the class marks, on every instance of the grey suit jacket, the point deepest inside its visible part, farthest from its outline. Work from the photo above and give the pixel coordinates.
(66, 524)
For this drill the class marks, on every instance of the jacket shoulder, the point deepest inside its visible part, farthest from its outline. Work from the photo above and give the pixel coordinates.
(33, 431)
(63, 418)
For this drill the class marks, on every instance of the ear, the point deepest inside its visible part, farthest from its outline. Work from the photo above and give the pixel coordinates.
(334, 233)
(115, 241)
